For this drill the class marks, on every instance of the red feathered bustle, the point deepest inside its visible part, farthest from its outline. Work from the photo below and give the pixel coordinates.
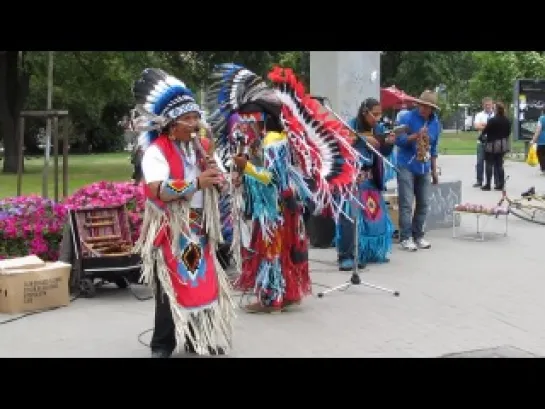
(321, 145)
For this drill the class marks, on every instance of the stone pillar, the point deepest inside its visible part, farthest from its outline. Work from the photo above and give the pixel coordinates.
(346, 78)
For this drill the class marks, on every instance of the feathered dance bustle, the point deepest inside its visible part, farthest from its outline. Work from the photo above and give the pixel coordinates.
(322, 146)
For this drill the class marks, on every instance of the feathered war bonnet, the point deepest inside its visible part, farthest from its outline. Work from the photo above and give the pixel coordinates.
(160, 99)
(236, 90)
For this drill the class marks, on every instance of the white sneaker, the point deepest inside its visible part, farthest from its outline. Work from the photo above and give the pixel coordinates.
(423, 244)
(409, 245)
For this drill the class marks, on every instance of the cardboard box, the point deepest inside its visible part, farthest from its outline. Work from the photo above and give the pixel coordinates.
(392, 201)
(29, 284)
(31, 261)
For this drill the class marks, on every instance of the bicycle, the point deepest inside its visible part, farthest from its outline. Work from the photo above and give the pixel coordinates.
(529, 207)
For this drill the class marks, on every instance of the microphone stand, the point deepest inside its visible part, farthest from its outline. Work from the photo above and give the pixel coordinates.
(355, 278)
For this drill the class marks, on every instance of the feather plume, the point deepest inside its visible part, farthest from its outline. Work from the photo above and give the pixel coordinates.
(156, 93)
(321, 146)
(232, 86)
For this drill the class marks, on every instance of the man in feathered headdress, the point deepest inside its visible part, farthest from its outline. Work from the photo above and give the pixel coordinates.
(181, 225)
(272, 141)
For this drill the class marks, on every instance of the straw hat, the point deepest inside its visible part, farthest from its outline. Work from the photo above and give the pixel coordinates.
(428, 98)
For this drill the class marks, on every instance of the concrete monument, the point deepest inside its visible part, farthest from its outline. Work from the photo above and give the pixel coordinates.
(345, 77)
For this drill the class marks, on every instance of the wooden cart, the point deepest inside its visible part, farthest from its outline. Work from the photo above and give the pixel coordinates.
(103, 248)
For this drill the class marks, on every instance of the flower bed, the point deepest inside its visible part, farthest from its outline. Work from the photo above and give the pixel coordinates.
(33, 225)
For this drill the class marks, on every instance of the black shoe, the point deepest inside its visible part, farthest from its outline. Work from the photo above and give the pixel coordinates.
(216, 351)
(498, 187)
(529, 192)
(477, 184)
(161, 353)
(189, 348)
(485, 188)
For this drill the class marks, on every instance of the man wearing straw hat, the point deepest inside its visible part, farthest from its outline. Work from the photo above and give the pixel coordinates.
(417, 164)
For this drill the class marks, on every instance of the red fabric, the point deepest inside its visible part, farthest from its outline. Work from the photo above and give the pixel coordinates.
(392, 97)
(198, 294)
(261, 250)
(297, 276)
(371, 200)
(175, 163)
(333, 132)
(205, 289)
(206, 144)
(207, 147)
(251, 260)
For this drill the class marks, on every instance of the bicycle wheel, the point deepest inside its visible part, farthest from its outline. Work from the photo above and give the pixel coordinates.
(527, 212)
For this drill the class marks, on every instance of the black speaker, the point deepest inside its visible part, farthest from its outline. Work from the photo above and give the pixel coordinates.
(321, 231)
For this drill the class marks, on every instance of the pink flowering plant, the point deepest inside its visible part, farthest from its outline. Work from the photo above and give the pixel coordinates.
(101, 194)
(31, 225)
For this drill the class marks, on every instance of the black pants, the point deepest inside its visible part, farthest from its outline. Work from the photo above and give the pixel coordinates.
(541, 156)
(137, 173)
(494, 166)
(164, 335)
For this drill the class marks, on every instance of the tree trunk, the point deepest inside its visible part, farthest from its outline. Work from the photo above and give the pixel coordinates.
(14, 83)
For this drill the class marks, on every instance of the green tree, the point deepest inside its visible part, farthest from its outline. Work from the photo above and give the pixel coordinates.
(14, 86)
(495, 75)
(389, 67)
(531, 64)
(299, 62)
(95, 87)
(419, 70)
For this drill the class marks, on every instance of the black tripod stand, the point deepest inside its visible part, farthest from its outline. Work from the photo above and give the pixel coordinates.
(355, 278)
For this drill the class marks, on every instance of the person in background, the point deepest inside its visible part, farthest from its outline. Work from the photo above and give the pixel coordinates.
(375, 226)
(539, 139)
(131, 138)
(480, 122)
(136, 161)
(497, 132)
(386, 122)
(416, 159)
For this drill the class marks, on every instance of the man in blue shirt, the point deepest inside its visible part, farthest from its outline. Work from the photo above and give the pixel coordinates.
(401, 113)
(416, 159)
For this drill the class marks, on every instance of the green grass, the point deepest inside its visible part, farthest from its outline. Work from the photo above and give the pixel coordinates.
(82, 170)
(85, 169)
(464, 143)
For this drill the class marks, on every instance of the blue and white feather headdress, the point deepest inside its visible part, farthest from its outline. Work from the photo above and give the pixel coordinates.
(160, 99)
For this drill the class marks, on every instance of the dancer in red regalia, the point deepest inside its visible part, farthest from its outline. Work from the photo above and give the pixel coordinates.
(276, 137)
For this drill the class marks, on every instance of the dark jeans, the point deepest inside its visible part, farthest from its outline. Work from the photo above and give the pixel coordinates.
(137, 173)
(164, 335)
(479, 167)
(412, 188)
(541, 156)
(480, 164)
(494, 166)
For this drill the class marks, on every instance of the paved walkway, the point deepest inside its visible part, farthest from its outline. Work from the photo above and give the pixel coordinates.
(458, 296)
